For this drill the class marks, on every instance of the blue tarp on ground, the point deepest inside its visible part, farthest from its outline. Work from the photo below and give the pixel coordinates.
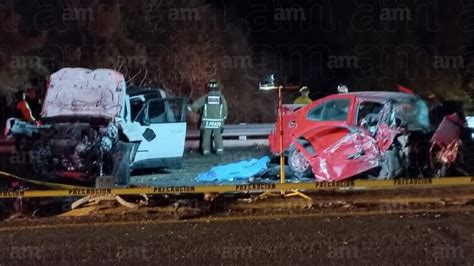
(235, 171)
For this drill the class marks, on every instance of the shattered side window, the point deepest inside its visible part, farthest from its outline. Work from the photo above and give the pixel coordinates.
(412, 114)
(368, 110)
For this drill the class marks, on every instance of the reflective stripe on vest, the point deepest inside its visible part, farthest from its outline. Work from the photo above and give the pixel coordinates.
(210, 123)
(213, 100)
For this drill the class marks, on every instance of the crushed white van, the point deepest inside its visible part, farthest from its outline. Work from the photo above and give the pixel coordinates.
(93, 125)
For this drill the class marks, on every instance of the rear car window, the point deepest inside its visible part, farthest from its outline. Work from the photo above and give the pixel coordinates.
(316, 113)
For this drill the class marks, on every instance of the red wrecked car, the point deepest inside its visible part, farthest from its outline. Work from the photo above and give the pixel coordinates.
(374, 134)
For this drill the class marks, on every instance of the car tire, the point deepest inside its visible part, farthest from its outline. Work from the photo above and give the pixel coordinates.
(121, 163)
(20, 144)
(297, 163)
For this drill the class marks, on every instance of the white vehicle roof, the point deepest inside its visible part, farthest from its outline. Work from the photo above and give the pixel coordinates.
(84, 92)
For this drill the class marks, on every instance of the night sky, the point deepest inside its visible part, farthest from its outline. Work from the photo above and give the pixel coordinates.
(438, 28)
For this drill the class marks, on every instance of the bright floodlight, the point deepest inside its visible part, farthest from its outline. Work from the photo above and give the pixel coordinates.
(341, 88)
(268, 83)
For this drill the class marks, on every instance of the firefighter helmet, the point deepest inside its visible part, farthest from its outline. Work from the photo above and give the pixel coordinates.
(213, 85)
(304, 89)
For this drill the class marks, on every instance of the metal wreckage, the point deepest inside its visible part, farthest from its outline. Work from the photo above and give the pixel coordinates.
(93, 126)
(376, 134)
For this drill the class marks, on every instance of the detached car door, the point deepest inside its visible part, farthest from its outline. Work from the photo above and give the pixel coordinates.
(163, 132)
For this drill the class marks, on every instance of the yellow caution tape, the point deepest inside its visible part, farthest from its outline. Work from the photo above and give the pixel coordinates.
(41, 183)
(258, 187)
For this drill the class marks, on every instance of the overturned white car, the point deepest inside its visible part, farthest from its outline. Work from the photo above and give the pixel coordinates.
(92, 125)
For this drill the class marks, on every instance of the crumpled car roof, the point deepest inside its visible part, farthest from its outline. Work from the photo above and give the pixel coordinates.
(84, 92)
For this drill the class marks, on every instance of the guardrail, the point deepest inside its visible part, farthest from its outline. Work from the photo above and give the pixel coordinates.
(241, 135)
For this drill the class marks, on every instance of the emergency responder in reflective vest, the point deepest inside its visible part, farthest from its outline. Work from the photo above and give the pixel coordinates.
(213, 109)
(304, 98)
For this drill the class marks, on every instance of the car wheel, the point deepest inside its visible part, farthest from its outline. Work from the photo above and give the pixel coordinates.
(298, 163)
(40, 161)
(121, 163)
(21, 144)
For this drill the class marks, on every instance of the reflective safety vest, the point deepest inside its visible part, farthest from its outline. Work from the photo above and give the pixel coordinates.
(212, 115)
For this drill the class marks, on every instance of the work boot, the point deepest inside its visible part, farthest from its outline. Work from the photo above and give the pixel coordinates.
(220, 152)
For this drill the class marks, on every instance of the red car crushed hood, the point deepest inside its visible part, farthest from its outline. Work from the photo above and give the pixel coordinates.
(355, 153)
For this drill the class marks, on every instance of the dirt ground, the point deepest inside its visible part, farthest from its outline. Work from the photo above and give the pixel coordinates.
(391, 239)
(393, 227)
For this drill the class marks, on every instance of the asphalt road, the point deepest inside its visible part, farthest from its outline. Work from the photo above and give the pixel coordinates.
(387, 239)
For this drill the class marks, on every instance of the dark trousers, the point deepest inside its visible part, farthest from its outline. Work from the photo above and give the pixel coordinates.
(209, 136)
